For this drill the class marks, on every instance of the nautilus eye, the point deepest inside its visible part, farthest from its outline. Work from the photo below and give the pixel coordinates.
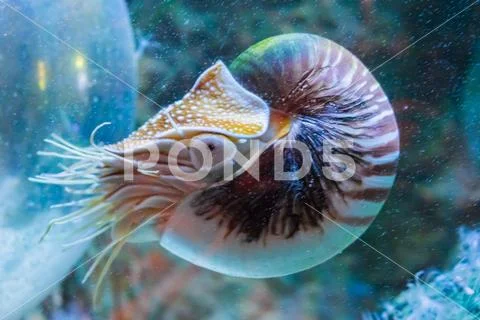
(219, 148)
(303, 147)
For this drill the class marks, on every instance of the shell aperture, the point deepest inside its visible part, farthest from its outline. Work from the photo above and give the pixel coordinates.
(287, 90)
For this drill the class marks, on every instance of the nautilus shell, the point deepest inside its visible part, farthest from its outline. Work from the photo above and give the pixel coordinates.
(273, 228)
(286, 92)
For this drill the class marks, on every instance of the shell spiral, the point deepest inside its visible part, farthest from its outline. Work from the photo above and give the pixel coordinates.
(271, 228)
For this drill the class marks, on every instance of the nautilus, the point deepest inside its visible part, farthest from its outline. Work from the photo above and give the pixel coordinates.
(288, 89)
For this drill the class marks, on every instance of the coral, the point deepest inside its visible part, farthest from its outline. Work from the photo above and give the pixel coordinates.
(453, 294)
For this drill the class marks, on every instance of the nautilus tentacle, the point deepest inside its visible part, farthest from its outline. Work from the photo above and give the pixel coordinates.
(270, 228)
(299, 98)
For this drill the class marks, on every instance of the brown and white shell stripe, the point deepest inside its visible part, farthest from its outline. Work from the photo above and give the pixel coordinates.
(358, 109)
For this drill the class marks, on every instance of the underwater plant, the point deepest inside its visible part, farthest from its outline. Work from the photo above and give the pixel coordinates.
(296, 97)
(452, 294)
